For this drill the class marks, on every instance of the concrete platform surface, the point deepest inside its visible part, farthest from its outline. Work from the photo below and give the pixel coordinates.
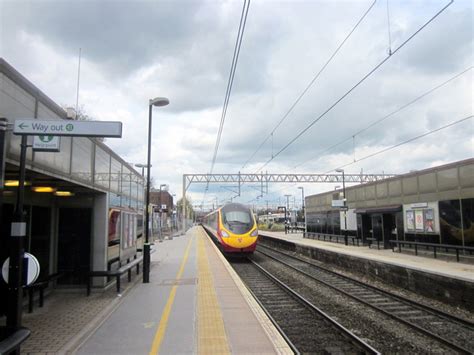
(193, 304)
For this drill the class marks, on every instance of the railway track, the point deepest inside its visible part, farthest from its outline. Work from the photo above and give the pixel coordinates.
(454, 332)
(307, 328)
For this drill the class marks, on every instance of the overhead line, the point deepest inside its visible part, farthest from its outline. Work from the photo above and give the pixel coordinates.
(401, 108)
(243, 21)
(238, 43)
(405, 142)
(310, 83)
(355, 86)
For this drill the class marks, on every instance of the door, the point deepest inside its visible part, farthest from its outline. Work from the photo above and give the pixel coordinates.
(74, 240)
(377, 227)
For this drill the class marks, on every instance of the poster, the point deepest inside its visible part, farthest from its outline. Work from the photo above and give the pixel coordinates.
(419, 225)
(410, 220)
(429, 221)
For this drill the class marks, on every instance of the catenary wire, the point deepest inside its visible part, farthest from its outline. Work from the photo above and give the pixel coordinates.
(383, 150)
(405, 142)
(309, 85)
(238, 43)
(354, 87)
(391, 114)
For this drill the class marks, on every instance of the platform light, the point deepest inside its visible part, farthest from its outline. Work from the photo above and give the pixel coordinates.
(15, 183)
(43, 189)
(64, 193)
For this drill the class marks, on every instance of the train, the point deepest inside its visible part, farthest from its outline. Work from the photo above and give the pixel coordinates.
(234, 228)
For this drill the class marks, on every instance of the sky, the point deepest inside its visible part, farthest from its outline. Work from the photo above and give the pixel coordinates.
(133, 51)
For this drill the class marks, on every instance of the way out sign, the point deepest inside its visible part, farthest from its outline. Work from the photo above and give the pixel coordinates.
(31, 269)
(67, 128)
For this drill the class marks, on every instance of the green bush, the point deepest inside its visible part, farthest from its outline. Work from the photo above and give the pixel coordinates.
(275, 227)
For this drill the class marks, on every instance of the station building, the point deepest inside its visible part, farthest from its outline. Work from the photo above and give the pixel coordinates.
(434, 205)
(83, 204)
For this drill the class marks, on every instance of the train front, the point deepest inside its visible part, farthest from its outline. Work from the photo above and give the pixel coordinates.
(237, 229)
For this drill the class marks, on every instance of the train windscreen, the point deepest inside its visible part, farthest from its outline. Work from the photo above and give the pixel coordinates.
(237, 219)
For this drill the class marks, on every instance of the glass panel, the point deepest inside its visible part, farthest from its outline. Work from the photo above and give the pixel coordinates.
(395, 188)
(81, 158)
(102, 166)
(448, 179)
(468, 221)
(58, 161)
(370, 192)
(450, 222)
(126, 185)
(382, 190)
(115, 174)
(466, 175)
(336, 222)
(377, 227)
(410, 186)
(427, 182)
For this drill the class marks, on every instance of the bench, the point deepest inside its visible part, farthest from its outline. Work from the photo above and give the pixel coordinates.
(435, 247)
(10, 340)
(115, 273)
(40, 285)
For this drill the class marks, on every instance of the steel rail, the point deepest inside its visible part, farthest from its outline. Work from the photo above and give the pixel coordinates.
(434, 311)
(355, 340)
(385, 293)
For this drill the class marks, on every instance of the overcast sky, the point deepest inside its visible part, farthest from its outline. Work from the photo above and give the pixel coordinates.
(136, 50)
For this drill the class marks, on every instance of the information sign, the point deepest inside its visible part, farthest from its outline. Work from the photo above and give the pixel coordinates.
(68, 128)
(46, 143)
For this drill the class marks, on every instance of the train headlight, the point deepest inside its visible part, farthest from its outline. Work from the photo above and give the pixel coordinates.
(254, 233)
(224, 234)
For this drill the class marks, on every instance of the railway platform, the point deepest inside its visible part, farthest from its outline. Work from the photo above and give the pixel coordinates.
(450, 282)
(194, 304)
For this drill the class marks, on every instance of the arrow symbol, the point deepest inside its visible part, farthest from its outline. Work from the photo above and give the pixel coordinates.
(22, 125)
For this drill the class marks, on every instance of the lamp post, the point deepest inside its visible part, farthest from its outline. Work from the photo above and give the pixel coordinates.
(161, 211)
(287, 225)
(302, 203)
(158, 101)
(174, 210)
(345, 207)
(143, 166)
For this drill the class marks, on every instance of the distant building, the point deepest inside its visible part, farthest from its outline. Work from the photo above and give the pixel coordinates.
(434, 205)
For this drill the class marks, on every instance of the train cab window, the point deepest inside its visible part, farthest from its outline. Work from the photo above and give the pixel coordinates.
(237, 219)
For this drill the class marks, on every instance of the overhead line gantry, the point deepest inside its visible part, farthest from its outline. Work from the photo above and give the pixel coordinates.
(265, 178)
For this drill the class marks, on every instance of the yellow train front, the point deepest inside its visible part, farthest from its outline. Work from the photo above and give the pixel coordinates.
(234, 228)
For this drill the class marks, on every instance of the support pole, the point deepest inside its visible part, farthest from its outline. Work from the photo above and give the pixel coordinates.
(17, 251)
(184, 204)
(146, 245)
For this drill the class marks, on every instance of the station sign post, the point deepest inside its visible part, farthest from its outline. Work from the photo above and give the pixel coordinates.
(37, 127)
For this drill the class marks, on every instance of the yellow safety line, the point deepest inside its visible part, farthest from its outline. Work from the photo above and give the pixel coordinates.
(212, 338)
(160, 332)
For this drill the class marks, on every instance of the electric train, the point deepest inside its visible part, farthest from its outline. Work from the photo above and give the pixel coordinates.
(233, 228)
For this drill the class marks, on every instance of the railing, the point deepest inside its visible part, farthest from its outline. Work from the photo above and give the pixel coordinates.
(332, 237)
(436, 247)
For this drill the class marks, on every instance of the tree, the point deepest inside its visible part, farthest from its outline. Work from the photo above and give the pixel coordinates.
(189, 206)
(82, 115)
